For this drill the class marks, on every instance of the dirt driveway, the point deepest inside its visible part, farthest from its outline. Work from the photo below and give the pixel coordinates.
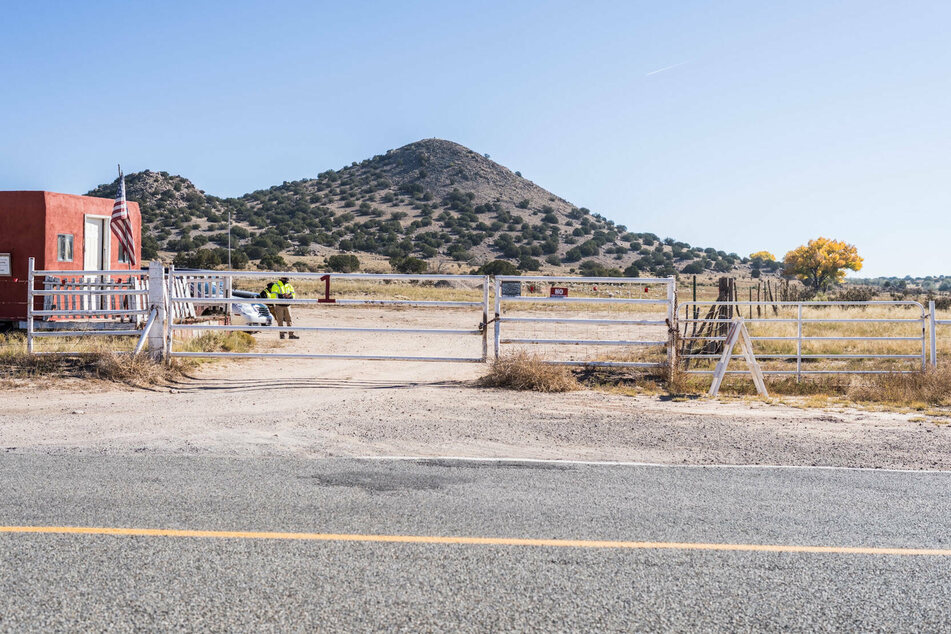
(360, 408)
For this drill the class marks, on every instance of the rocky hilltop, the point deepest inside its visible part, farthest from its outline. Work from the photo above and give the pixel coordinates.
(432, 200)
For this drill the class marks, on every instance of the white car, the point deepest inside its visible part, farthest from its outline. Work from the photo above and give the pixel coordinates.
(251, 314)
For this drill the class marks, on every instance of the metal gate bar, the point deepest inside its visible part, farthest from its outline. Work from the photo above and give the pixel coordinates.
(500, 319)
(228, 278)
(801, 339)
(135, 296)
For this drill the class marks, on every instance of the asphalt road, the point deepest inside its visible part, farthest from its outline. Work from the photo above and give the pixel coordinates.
(95, 582)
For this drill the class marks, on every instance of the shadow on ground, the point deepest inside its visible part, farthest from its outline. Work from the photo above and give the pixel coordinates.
(199, 385)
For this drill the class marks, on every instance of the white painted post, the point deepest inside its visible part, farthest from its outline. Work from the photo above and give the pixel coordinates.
(672, 328)
(169, 291)
(29, 305)
(799, 345)
(751, 361)
(738, 333)
(229, 287)
(157, 306)
(497, 288)
(934, 335)
(485, 319)
(719, 373)
(145, 333)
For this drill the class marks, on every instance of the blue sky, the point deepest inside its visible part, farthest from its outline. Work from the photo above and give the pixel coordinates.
(773, 123)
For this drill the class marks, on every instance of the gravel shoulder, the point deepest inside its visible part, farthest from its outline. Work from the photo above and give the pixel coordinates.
(325, 408)
(348, 414)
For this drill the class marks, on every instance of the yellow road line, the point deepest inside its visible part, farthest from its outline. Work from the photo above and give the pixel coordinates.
(476, 541)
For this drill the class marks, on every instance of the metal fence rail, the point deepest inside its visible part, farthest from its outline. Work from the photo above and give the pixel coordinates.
(668, 303)
(156, 304)
(692, 320)
(934, 322)
(224, 280)
(73, 305)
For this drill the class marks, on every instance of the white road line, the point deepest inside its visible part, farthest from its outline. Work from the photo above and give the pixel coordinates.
(623, 463)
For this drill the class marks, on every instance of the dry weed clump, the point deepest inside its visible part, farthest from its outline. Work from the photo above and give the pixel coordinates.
(220, 341)
(135, 370)
(20, 368)
(742, 385)
(523, 371)
(93, 361)
(933, 386)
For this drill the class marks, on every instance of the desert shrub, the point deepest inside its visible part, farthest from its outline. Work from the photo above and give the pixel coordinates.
(695, 268)
(150, 248)
(343, 263)
(591, 268)
(856, 294)
(201, 259)
(239, 259)
(527, 263)
(409, 265)
(524, 371)
(497, 267)
(272, 261)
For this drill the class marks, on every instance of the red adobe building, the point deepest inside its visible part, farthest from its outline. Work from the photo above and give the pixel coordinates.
(62, 232)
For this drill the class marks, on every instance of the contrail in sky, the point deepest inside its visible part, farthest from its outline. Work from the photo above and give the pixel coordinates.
(665, 68)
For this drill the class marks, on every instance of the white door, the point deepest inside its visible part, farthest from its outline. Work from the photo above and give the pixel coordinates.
(93, 247)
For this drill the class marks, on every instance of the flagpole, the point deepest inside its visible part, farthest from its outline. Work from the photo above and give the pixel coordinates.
(119, 186)
(119, 165)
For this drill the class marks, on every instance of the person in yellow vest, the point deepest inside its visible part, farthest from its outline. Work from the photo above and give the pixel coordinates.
(281, 289)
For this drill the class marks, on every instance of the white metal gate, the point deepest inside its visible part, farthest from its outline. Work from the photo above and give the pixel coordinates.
(216, 289)
(597, 291)
(701, 339)
(158, 304)
(114, 305)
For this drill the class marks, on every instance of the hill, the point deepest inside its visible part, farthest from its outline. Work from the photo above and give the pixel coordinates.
(433, 199)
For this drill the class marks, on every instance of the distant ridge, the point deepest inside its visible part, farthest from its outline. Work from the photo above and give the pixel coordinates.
(432, 199)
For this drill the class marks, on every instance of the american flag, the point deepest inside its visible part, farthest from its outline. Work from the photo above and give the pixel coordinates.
(121, 224)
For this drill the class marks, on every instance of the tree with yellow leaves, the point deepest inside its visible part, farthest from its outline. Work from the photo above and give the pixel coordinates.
(763, 256)
(822, 262)
(762, 260)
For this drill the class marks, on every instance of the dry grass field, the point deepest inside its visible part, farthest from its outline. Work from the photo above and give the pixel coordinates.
(905, 337)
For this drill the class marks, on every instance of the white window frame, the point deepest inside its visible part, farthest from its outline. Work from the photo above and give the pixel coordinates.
(65, 239)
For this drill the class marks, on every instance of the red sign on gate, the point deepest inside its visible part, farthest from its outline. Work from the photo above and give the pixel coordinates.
(558, 291)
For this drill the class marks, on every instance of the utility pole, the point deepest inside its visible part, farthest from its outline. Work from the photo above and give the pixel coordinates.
(229, 239)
